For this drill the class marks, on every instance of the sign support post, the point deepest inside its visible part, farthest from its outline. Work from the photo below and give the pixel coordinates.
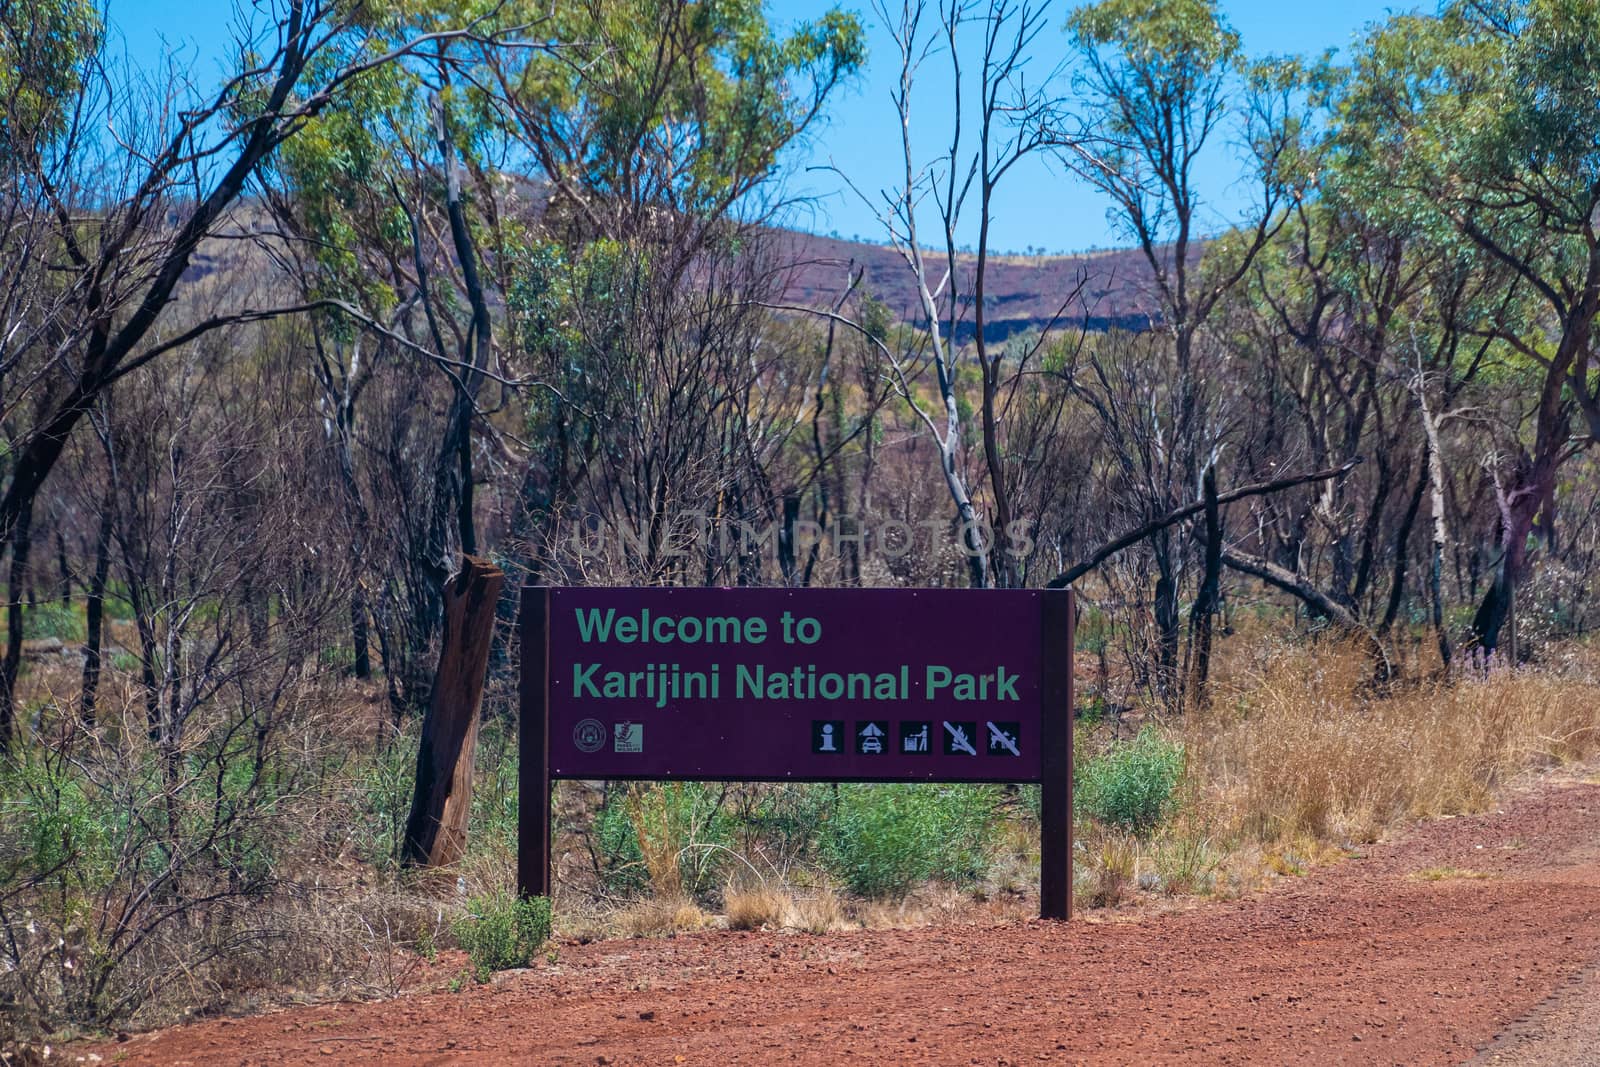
(533, 747)
(1055, 785)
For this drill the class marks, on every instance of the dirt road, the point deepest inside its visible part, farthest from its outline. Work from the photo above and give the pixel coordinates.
(1378, 959)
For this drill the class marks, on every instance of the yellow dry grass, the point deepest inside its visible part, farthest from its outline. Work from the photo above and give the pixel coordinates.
(659, 916)
(1302, 747)
(753, 909)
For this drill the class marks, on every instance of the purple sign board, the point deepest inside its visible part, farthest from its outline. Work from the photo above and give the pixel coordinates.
(933, 685)
(777, 684)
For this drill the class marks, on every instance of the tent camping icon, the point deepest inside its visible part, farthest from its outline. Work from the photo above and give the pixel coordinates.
(869, 737)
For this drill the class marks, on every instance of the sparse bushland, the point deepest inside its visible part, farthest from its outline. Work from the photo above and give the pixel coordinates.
(264, 870)
(248, 437)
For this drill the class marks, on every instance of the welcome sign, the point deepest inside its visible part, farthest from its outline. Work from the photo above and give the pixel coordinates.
(780, 684)
(830, 685)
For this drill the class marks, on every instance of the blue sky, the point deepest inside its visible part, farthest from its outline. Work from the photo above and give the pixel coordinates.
(1040, 208)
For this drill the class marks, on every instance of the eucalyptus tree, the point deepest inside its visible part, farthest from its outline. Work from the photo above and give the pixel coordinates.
(994, 111)
(121, 183)
(1157, 86)
(1493, 110)
(655, 132)
(375, 228)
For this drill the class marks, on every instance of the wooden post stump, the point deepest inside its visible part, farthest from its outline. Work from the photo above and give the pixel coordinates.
(436, 830)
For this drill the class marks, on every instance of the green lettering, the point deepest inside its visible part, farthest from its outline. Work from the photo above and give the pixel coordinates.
(592, 626)
(747, 684)
(583, 678)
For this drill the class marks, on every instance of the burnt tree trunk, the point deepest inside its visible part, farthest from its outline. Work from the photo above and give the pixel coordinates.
(21, 545)
(63, 567)
(1205, 605)
(1166, 613)
(1402, 556)
(94, 616)
(436, 830)
(360, 639)
(1518, 509)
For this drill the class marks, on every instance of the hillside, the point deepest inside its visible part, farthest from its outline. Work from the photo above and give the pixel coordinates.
(1025, 291)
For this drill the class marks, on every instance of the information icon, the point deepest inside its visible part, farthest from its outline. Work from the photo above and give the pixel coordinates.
(827, 736)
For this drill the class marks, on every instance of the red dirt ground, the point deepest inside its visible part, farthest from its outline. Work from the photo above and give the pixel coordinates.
(1362, 962)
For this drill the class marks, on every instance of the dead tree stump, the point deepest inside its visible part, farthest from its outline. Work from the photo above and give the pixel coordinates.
(436, 830)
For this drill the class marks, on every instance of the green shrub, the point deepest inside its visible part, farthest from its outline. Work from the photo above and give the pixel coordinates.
(382, 783)
(671, 838)
(52, 619)
(884, 839)
(495, 818)
(501, 931)
(619, 863)
(780, 820)
(1132, 785)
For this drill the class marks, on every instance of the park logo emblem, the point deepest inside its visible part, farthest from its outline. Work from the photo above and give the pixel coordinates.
(589, 735)
(629, 737)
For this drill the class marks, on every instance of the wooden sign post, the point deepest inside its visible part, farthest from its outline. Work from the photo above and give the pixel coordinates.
(812, 685)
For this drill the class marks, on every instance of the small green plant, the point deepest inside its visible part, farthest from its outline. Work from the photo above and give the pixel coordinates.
(52, 619)
(619, 863)
(502, 931)
(1132, 786)
(884, 839)
(427, 945)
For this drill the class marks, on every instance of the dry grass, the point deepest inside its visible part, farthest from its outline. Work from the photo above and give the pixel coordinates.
(753, 909)
(1300, 757)
(820, 912)
(1111, 874)
(659, 917)
(1447, 874)
(1304, 749)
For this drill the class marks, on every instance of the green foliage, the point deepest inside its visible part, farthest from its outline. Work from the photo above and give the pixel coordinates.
(669, 837)
(43, 47)
(502, 931)
(494, 817)
(1133, 785)
(57, 834)
(884, 839)
(620, 864)
(706, 92)
(52, 619)
(781, 820)
(1178, 42)
(383, 785)
(1479, 129)
(176, 839)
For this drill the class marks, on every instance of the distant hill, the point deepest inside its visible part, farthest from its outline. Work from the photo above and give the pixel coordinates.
(1024, 291)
